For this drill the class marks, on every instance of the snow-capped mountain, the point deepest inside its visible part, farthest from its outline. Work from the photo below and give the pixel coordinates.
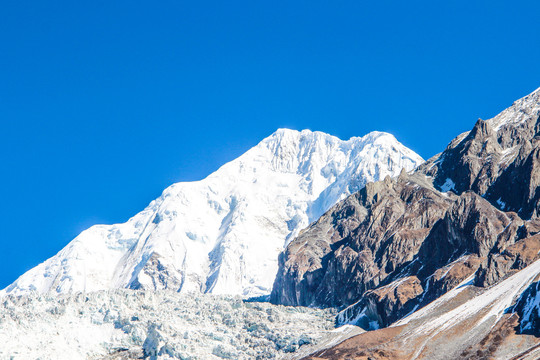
(223, 234)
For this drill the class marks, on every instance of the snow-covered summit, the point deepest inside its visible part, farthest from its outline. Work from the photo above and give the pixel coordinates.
(223, 234)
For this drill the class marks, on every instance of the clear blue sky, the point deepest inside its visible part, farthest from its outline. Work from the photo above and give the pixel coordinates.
(105, 103)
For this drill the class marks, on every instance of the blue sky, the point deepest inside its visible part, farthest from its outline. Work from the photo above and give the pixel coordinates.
(105, 103)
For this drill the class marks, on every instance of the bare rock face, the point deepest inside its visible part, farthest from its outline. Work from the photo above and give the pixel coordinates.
(448, 277)
(514, 258)
(471, 163)
(498, 159)
(162, 278)
(383, 305)
(396, 246)
(516, 188)
(457, 245)
(359, 243)
(470, 226)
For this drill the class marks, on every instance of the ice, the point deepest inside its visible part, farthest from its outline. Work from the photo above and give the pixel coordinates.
(154, 325)
(448, 185)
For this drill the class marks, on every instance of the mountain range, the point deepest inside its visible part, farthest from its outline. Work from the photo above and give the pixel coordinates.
(420, 260)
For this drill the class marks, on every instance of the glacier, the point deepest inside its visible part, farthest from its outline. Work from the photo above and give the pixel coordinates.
(125, 324)
(223, 234)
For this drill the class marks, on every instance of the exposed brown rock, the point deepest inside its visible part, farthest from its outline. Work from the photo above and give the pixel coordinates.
(391, 231)
(470, 226)
(493, 341)
(369, 345)
(358, 243)
(512, 259)
(384, 305)
(448, 277)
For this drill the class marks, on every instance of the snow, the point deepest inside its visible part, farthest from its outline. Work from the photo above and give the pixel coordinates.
(448, 185)
(493, 302)
(532, 305)
(223, 234)
(349, 316)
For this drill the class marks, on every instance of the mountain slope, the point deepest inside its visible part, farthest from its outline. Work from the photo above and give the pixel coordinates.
(468, 322)
(223, 234)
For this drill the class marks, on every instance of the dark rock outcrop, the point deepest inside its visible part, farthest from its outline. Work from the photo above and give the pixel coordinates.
(470, 164)
(161, 276)
(498, 159)
(470, 226)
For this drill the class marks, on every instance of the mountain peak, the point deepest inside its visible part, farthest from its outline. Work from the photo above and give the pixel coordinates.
(377, 137)
(223, 234)
(370, 137)
(305, 133)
